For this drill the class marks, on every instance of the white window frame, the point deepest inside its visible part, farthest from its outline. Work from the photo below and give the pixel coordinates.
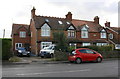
(103, 34)
(22, 34)
(45, 30)
(110, 36)
(101, 44)
(86, 44)
(84, 32)
(19, 45)
(71, 33)
(45, 44)
(73, 45)
(117, 46)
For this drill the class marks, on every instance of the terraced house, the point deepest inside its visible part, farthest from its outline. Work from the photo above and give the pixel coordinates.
(78, 32)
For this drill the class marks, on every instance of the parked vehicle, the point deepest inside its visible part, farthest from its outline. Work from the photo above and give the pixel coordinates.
(47, 51)
(23, 52)
(84, 54)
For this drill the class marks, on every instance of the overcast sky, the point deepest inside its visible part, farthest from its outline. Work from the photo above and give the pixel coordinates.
(19, 11)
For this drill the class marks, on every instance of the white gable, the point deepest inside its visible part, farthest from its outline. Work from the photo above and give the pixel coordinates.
(71, 27)
(46, 26)
(84, 28)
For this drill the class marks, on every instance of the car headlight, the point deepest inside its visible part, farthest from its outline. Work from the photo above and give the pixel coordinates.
(19, 51)
(28, 52)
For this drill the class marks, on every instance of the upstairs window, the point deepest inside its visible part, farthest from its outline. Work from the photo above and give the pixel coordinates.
(84, 32)
(22, 34)
(71, 32)
(110, 36)
(45, 30)
(103, 34)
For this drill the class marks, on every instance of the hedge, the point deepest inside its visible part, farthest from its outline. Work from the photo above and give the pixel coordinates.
(6, 49)
(106, 51)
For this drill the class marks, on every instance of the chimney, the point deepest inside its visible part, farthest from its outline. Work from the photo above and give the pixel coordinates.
(96, 20)
(69, 16)
(107, 24)
(33, 12)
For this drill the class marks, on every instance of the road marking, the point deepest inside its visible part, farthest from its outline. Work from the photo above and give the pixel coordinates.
(54, 72)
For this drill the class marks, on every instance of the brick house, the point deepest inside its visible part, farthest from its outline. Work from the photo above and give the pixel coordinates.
(78, 32)
(113, 35)
(20, 36)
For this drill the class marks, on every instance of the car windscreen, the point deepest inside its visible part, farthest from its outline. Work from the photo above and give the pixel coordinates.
(21, 48)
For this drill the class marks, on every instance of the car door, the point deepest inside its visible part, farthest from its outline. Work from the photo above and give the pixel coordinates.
(83, 54)
(91, 55)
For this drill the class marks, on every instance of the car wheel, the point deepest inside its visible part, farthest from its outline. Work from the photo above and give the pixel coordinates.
(42, 56)
(52, 56)
(98, 60)
(78, 61)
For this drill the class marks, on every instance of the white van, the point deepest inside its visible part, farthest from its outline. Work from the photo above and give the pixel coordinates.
(47, 51)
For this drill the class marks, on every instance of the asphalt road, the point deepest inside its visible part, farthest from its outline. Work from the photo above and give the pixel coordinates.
(107, 68)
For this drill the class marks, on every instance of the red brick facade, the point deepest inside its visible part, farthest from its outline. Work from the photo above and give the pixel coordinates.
(35, 39)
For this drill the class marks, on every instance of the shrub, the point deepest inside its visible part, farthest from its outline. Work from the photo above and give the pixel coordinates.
(60, 56)
(6, 49)
(60, 41)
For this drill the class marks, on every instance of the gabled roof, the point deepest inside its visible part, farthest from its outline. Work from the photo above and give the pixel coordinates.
(93, 27)
(52, 21)
(16, 27)
(116, 29)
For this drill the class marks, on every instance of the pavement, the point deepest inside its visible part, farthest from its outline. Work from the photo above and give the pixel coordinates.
(28, 60)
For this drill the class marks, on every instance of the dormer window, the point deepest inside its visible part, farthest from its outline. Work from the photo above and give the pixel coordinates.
(71, 32)
(110, 36)
(45, 30)
(103, 34)
(84, 32)
(60, 22)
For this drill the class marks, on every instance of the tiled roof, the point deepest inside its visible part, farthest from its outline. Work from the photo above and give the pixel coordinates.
(93, 27)
(117, 29)
(15, 27)
(54, 24)
(51, 21)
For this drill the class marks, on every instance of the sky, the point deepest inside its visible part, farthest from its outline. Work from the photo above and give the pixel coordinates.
(19, 11)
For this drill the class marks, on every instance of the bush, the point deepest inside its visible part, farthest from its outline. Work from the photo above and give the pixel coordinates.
(6, 49)
(60, 56)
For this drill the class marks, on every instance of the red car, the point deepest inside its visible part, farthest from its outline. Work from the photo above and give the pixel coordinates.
(84, 54)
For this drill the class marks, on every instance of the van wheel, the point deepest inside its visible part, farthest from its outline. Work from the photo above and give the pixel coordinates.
(98, 60)
(78, 60)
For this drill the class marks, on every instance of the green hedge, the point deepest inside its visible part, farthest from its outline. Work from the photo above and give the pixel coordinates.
(106, 51)
(60, 56)
(99, 48)
(6, 49)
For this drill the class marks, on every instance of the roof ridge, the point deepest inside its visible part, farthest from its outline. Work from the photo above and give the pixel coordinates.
(82, 20)
(51, 17)
(20, 24)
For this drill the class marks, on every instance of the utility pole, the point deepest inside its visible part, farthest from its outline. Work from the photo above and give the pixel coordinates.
(3, 33)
